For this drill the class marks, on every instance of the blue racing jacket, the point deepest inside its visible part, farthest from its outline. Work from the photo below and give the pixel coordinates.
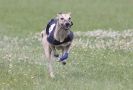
(50, 29)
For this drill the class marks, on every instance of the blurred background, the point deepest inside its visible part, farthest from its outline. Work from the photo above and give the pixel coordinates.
(24, 16)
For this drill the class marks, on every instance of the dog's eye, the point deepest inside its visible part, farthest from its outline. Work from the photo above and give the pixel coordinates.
(69, 18)
(62, 18)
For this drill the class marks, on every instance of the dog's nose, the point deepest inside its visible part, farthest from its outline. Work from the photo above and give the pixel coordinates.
(67, 24)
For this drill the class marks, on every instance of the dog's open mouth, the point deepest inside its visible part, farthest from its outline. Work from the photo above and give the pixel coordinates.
(66, 26)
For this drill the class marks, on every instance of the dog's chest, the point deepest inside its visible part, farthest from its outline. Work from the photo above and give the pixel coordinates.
(62, 35)
(62, 45)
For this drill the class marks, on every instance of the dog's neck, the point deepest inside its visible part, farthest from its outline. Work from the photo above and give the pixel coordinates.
(60, 34)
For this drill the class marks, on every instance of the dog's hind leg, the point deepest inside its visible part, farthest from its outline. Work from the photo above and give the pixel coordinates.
(55, 54)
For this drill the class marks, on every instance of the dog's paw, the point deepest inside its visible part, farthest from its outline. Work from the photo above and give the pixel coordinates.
(64, 63)
(52, 75)
(56, 55)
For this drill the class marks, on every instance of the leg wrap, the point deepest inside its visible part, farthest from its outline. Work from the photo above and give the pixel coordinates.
(64, 56)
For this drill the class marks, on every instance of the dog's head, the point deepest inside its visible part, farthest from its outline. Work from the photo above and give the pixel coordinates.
(64, 20)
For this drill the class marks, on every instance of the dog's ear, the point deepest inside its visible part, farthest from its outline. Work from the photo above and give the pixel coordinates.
(58, 14)
(69, 13)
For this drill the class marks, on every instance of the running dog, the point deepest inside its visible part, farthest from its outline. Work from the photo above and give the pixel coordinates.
(57, 36)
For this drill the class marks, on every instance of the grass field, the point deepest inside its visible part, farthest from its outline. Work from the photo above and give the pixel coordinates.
(102, 54)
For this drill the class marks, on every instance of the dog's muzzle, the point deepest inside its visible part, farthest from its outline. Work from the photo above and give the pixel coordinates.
(68, 25)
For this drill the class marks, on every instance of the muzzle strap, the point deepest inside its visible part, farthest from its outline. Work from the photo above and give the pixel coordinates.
(71, 23)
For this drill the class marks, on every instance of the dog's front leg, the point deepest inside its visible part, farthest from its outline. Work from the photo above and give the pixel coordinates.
(49, 55)
(51, 59)
(48, 52)
(65, 52)
(50, 65)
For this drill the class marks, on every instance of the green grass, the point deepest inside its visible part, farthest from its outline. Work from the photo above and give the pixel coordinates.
(95, 62)
(23, 16)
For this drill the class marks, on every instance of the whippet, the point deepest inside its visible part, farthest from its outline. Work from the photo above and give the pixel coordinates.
(57, 36)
